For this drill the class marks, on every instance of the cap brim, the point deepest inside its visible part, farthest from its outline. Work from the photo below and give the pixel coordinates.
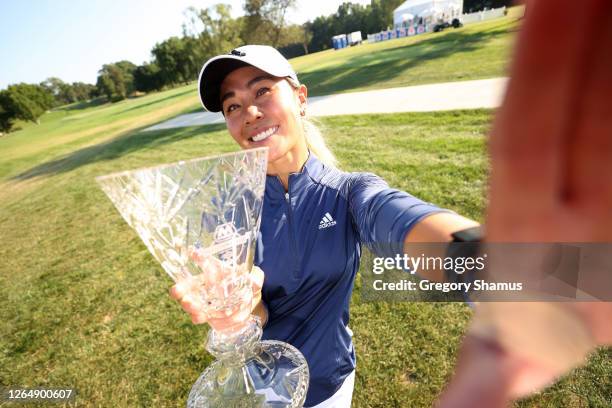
(211, 77)
(216, 69)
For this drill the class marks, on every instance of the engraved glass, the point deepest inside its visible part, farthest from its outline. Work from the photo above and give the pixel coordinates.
(200, 219)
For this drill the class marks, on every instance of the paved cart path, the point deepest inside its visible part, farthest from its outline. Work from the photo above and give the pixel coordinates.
(482, 93)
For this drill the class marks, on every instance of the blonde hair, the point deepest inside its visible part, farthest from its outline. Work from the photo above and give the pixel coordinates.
(316, 143)
(314, 139)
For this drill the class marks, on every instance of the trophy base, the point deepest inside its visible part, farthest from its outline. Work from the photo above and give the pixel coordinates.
(276, 376)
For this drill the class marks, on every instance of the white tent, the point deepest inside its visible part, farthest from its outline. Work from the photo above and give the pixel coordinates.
(407, 17)
(427, 8)
(433, 11)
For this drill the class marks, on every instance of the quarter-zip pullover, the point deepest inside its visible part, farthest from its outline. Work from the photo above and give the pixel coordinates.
(309, 248)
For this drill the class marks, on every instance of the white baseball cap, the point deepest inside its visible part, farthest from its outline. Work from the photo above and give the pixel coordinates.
(214, 71)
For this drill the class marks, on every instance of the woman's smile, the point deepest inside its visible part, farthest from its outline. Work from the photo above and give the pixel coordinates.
(261, 135)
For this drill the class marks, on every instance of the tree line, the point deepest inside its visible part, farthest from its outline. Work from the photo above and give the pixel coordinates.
(207, 32)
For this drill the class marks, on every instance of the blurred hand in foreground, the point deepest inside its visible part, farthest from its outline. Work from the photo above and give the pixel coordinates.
(551, 181)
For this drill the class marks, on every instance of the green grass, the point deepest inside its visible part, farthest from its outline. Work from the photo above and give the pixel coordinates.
(75, 126)
(83, 304)
(475, 51)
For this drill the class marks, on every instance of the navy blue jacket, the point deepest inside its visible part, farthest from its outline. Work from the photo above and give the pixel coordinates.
(309, 250)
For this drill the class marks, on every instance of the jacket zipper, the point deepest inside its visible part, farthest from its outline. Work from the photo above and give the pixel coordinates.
(291, 236)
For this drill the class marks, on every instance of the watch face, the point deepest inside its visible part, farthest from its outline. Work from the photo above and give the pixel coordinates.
(473, 234)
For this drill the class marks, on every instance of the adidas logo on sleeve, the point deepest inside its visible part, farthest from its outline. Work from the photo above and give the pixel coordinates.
(327, 221)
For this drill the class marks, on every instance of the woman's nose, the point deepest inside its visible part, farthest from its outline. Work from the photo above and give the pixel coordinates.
(252, 114)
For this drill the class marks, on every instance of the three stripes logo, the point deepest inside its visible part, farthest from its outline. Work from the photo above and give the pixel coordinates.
(327, 221)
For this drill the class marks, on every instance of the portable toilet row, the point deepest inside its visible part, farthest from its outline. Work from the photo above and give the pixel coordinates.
(345, 40)
(339, 41)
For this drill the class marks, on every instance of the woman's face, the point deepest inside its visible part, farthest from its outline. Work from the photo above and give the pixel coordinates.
(262, 110)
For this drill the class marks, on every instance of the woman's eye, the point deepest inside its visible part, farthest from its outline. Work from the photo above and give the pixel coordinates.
(262, 91)
(231, 107)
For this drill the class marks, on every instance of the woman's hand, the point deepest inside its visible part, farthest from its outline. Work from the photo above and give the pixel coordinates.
(551, 151)
(188, 293)
(551, 143)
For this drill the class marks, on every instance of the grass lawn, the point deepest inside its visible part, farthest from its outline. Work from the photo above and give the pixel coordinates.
(84, 305)
(475, 51)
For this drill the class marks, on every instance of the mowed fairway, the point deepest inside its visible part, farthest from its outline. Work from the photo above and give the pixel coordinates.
(475, 51)
(84, 305)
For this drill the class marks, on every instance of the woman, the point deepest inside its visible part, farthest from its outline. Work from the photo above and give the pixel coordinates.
(315, 217)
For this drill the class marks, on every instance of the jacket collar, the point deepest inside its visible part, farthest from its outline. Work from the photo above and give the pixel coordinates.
(311, 172)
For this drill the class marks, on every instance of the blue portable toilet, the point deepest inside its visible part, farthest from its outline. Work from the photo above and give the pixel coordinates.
(344, 41)
(339, 41)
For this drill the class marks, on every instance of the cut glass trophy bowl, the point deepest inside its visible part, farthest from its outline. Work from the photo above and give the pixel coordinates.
(200, 219)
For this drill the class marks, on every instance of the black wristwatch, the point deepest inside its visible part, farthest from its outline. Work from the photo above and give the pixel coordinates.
(465, 243)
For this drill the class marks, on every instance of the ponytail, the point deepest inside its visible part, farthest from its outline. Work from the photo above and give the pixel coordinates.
(316, 143)
(314, 139)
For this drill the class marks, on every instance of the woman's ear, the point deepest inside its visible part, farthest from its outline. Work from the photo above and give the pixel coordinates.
(302, 94)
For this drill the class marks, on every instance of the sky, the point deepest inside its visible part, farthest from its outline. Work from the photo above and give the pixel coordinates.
(72, 39)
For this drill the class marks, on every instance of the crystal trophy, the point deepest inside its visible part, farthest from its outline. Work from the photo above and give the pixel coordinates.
(200, 220)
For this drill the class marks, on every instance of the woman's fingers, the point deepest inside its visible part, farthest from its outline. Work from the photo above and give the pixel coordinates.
(189, 293)
(186, 293)
(469, 387)
(175, 292)
(532, 138)
(590, 152)
(191, 304)
(257, 278)
(199, 318)
(528, 136)
(179, 290)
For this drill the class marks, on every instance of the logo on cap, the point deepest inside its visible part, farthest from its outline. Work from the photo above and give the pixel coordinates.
(238, 53)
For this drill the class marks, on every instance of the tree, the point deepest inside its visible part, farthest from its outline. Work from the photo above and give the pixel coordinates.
(217, 32)
(83, 91)
(351, 17)
(277, 14)
(322, 32)
(296, 34)
(380, 15)
(256, 28)
(173, 59)
(470, 6)
(7, 117)
(30, 100)
(266, 21)
(23, 101)
(64, 93)
(207, 33)
(54, 86)
(116, 81)
(106, 86)
(61, 91)
(147, 78)
(67, 94)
